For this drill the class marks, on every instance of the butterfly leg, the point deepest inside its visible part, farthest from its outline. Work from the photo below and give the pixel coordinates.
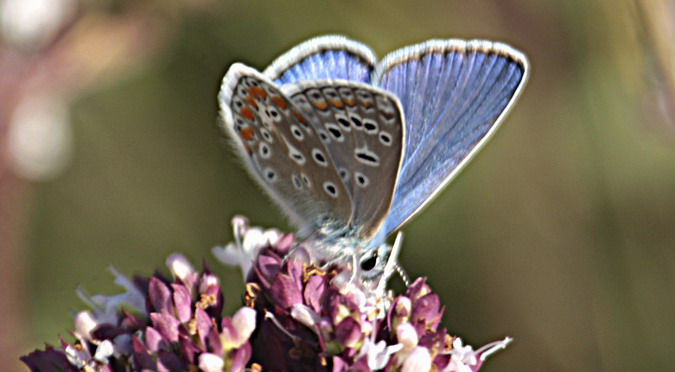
(392, 265)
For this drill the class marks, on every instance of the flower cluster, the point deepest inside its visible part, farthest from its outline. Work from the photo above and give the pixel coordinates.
(158, 324)
(297, 317)
(310, 321)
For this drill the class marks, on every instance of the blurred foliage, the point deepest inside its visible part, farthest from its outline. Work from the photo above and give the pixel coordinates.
(560, 234)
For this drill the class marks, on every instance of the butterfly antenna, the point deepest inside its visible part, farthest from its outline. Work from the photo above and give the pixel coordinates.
(402, 274)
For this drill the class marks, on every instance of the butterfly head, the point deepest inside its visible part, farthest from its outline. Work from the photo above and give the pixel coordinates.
(365, 263)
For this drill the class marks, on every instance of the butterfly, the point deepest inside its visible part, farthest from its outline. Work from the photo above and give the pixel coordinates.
(351, 148)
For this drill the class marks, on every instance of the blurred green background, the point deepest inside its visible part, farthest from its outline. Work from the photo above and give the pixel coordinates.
(560, 234)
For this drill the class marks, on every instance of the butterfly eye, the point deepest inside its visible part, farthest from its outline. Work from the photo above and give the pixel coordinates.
(369, 263)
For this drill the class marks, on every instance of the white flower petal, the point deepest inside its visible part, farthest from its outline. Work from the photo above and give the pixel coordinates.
(406, 335)
(403, 305)
(378, 353)
(419, 360)
(179, 265)
(305, 315)
(232, 255)
(243, 322)
(77, 356)
(84, 324)
(244, 252)
(103, 351)
(211, 363)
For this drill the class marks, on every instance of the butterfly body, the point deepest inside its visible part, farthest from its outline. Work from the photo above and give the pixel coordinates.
(351, 149)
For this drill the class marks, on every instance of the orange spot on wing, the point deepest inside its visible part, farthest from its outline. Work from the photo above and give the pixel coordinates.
(366, 104)
(280, 102)
(350, 102)
(300, 117)
(336, 102)
(257, 92)
(247, 113)
(247, 133)
(321, 105)
(251, 102)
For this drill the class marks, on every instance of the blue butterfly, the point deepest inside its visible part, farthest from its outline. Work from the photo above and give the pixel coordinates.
(351, 148)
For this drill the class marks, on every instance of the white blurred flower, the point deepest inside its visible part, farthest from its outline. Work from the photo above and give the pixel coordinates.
(40, 138)
(32, 23)
(105, 307)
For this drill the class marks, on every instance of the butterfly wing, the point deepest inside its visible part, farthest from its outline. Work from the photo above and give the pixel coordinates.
(282, 150)
(363, 129)
(454, 95)
(323, 58)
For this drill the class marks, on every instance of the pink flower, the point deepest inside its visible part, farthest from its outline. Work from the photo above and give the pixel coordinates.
(298, 316)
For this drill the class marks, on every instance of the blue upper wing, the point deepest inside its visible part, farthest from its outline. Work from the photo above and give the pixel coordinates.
(323, 58)
(454, 94)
